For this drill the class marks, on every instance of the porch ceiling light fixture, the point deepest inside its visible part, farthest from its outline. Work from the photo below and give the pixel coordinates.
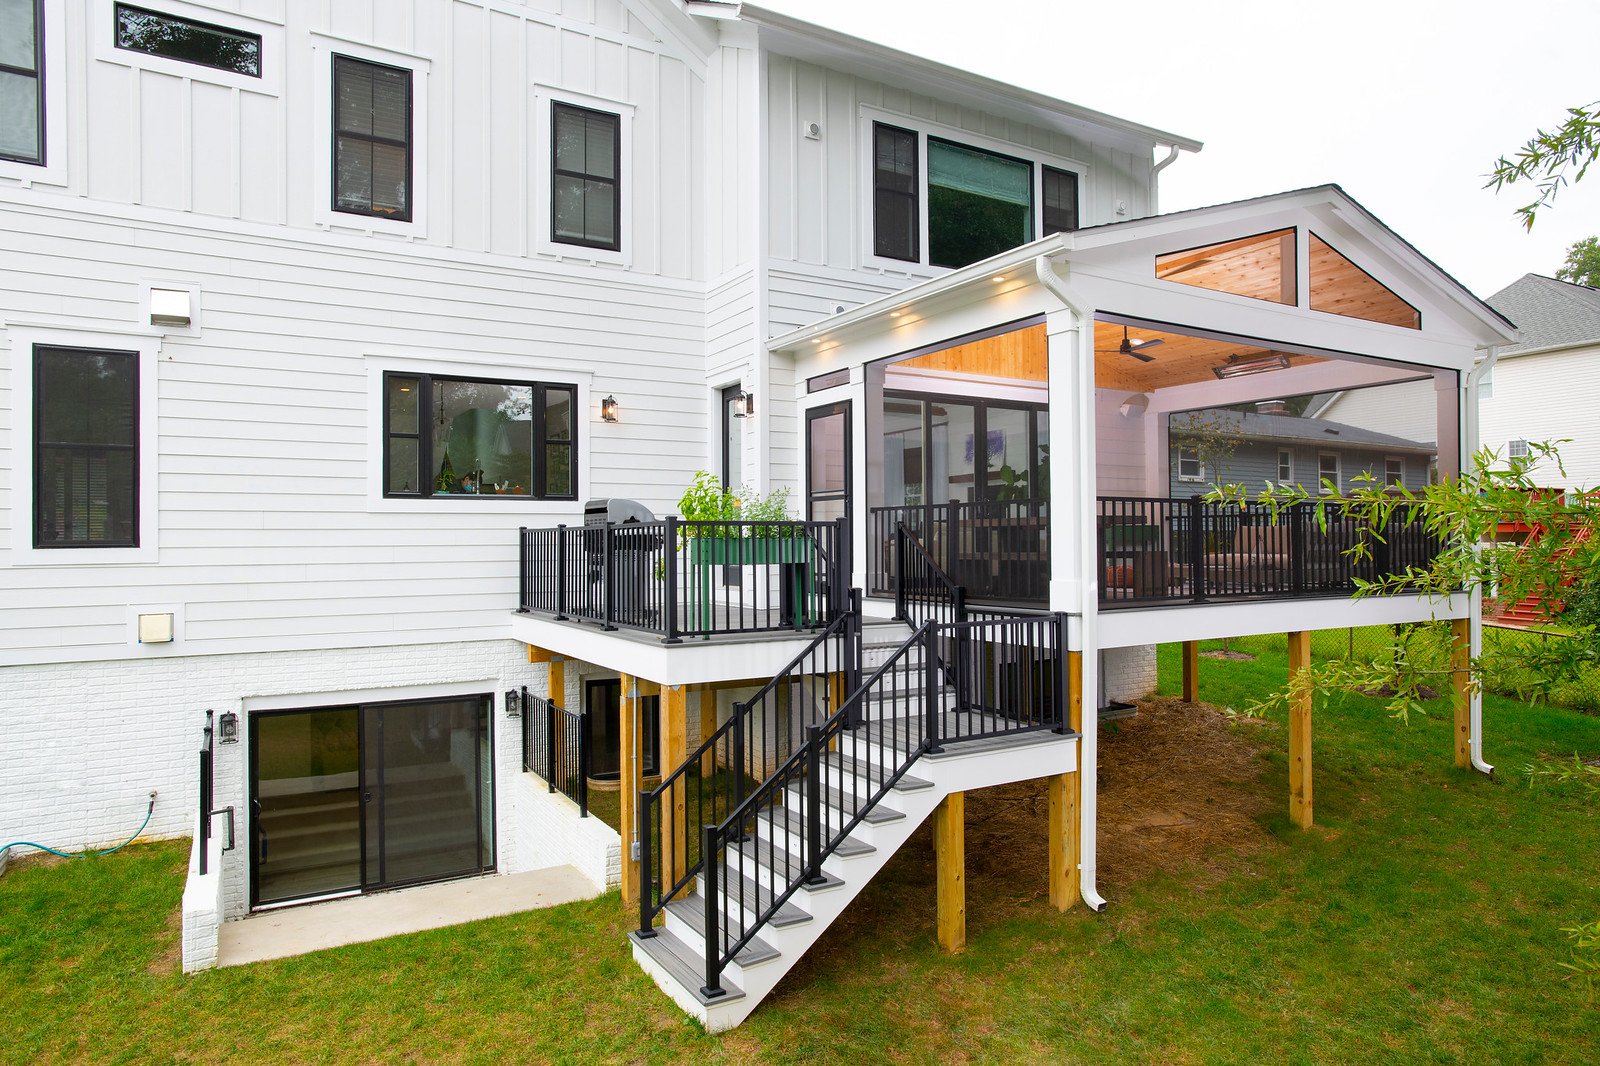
(1236, 367)
(608, 409)
(1135, 405)
(744, 404)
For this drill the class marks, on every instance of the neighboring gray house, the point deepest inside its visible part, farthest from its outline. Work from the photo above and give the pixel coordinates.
(1231, 447)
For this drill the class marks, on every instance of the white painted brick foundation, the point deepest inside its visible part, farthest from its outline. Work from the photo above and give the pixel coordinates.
(1129, 673)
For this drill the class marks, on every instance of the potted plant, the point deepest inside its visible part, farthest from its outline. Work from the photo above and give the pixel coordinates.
(705, 504)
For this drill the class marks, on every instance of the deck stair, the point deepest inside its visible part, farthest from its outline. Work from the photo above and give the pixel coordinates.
(946, 707)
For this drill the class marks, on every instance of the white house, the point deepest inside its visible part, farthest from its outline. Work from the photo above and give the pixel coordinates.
(318, 323)
(1540, 389)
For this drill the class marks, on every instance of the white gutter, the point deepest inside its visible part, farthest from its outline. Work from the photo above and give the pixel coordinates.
(1469, 448)
(1155, 178)
(1088, 586)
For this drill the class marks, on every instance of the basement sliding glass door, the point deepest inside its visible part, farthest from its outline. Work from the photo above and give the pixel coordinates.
(358, 798)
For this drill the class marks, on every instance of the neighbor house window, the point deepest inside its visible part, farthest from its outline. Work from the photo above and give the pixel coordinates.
(586, 201)
(1328, 470)
(1060, 201)
(22, 80)
(1394, 471)
(187, 40)
(371, 139)
(1190, 468)
(1518, 449)
(1285, 466)
(85, 448)
(979, 203)
(896, 213)
(461, 437)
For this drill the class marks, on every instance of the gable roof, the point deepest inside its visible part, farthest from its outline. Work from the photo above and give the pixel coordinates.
(1550, 313)
(1296, 429)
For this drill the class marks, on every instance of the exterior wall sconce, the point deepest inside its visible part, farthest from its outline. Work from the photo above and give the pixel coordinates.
(171, 307)
(513, 703)
(744, 404)
(608, 409)
(228, 728)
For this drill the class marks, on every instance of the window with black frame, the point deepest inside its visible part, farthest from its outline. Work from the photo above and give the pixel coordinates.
(463, 437)
(896, 186)
(85, 448)
(586, 164)
(371, 139)
(1060, 207)
(22, 81)
(187, 40)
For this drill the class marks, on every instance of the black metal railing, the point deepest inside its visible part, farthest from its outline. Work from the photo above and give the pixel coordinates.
(555, 746)
(777, 839)
(998, 550)
(683, 579)
(1195, 551)
(761, 733)
(207, 788)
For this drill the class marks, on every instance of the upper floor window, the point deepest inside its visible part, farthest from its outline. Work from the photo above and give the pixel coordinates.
(85, 448)
(1060, 201)
(22, 80)
(371, 139)
(1517, 449)
(1190, 468)
(586, 168)
(460, 437)
(187, 40)
(896, 217)
(979, 203)
(1285, 466)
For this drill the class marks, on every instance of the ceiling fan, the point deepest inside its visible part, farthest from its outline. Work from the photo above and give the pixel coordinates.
(1135, 348)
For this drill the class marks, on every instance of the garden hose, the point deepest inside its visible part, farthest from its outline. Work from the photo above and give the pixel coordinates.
(85, 854)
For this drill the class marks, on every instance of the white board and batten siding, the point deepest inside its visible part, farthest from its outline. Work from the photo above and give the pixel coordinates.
(270, 532)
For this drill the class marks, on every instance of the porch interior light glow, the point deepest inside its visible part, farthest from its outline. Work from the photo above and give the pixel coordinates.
(1235, 367)
(998, 277)
(608, 409)
(744, 404)
(170, 307)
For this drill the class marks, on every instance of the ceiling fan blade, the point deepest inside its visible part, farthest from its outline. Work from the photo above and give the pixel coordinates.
(1139, 355)
(1142, 345)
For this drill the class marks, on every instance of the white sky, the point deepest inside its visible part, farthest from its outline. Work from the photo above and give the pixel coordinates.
(1405, 103)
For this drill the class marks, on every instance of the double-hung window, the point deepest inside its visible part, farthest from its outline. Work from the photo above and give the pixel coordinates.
(896, 188)
(1060, 201)
(449, 436)
(1190, 468)
(1394, 471)
(586, 182)
(1285, 466)
(22, 81)
(85, 448)
(372, 139)
(1328, 471)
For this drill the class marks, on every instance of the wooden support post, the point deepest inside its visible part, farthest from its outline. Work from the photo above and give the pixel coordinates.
(950, 857)
(558, 682)
(556, 693)
(1065, 829)
(1461, 679)
(630, 762)
(674, 749)
(1191, 671)
(708, 725)
(538, 655)
(1300, 730)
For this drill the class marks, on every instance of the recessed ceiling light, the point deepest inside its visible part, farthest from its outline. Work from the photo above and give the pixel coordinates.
(998, 277)
(896, 314)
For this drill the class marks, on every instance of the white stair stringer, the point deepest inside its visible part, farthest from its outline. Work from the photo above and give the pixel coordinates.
(674, 958)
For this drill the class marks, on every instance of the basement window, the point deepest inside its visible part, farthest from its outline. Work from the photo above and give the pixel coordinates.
(188, 40)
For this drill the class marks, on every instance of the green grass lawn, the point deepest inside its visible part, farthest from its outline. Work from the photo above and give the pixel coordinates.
(1419, 922)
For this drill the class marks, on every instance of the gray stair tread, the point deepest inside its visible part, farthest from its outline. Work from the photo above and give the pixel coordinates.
(691, 911)
(877, 814)
(684, 964)
(877, 772)
(848, 848)
(787, 863)
(743, 891)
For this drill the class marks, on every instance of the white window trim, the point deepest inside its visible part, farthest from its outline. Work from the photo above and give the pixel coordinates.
(1289, 480)
(1400, 459)
(543, 100)
(21, 338)
(378, 364)
(1511, 448)
(102, 16)
(1178, 464)
(1338, 471)
(324, 47)
(867, 115)
(54, 77)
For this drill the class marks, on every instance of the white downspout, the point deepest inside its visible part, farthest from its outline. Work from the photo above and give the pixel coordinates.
(1469, 448)
(1155, 178)
(1088, 585)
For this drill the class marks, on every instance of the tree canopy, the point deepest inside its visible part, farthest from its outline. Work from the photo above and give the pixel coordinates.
(1582, 266)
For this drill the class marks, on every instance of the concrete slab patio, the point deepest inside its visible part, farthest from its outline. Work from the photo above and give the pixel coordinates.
(279, 934)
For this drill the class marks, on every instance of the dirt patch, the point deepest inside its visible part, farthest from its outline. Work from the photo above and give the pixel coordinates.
(170, 960)
(1230, 656)
(1388, 692)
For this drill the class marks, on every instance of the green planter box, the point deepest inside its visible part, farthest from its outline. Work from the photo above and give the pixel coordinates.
(728, 551)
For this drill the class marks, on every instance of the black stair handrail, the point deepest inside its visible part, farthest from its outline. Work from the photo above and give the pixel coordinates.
(878, 765)
(730, 748)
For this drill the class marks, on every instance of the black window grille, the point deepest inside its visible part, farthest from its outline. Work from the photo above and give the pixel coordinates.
(371, 139)
(586, 178)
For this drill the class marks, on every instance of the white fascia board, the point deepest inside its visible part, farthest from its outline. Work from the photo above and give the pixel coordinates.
(1134, 627)
(693, 662)
(807, 41)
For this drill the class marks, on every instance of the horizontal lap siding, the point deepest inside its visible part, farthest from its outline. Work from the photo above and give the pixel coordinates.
(266, 535)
